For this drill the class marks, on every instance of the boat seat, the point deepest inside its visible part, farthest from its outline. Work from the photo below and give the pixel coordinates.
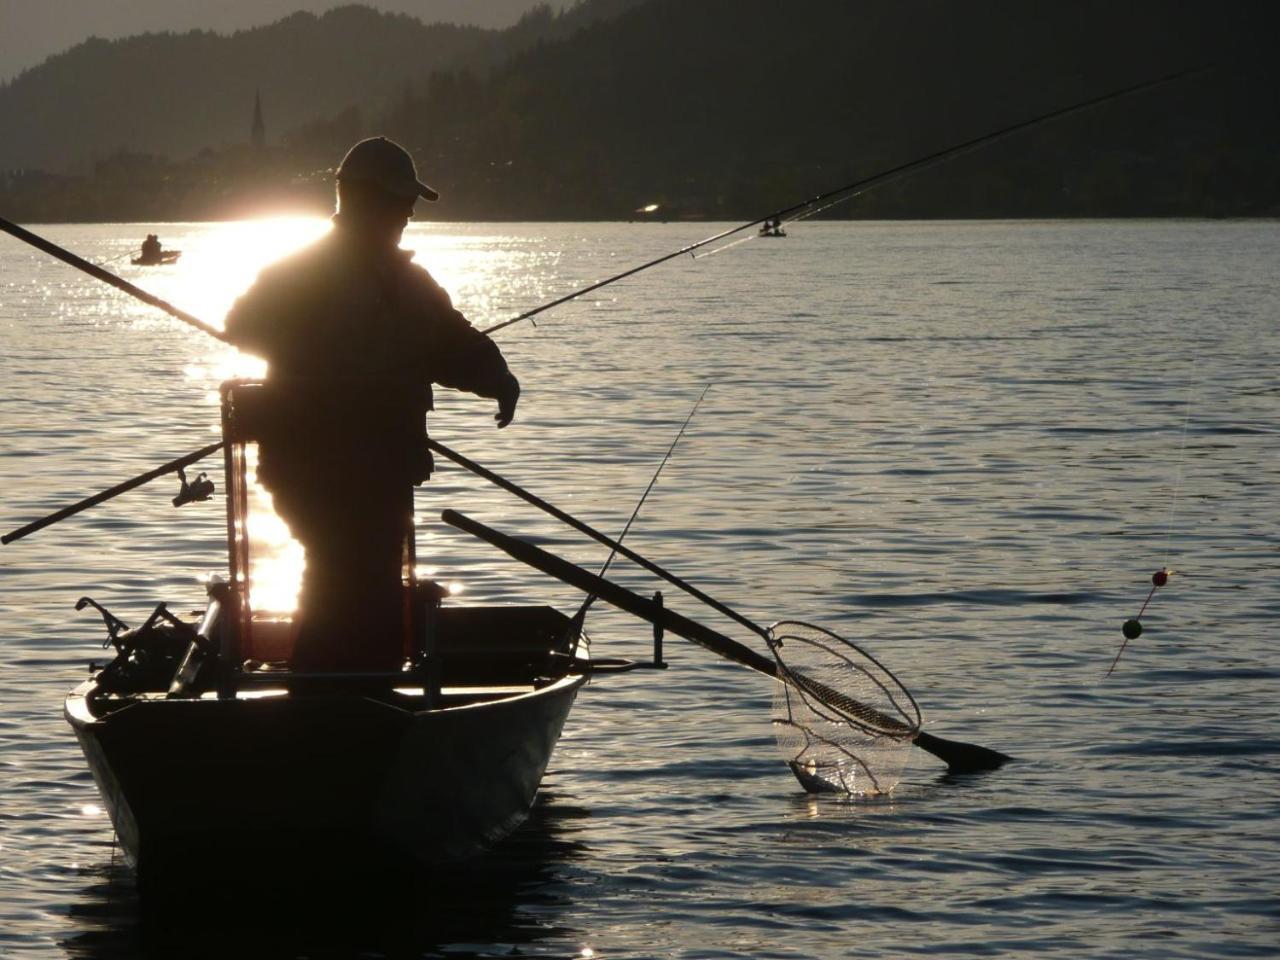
(499, 645)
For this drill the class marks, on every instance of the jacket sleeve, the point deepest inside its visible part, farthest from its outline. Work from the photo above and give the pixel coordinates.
(453, 352)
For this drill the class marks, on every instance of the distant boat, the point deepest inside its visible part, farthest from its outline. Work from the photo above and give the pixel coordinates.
(165, 257)
(768, 231)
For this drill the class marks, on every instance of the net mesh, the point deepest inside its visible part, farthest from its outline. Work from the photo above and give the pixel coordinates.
(843, 722)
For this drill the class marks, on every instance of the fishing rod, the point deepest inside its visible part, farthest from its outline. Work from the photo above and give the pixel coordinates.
(198, 490)
(830, 676)
(613, 552)
(850, 190)
(582, 527)
(106, 276)
(580, 618)
(814, 204)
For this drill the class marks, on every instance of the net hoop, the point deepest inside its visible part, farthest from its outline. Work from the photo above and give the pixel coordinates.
(847, 709)
(843, 722)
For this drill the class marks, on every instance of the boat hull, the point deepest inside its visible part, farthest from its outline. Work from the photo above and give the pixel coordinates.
(164, 259)
(326, 778)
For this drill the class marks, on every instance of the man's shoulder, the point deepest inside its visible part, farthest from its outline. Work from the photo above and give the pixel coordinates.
(291, 286)
(316, 259)
(415, 271)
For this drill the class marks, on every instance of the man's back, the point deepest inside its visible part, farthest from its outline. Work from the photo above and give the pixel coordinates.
(355, 335)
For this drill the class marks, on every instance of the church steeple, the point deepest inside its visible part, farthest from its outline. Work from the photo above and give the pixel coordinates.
(258, 132)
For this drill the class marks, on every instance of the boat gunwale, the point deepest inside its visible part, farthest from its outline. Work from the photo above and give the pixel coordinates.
(79, 713)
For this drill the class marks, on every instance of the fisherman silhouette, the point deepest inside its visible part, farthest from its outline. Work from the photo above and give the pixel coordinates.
(355, 335)
(151, 248)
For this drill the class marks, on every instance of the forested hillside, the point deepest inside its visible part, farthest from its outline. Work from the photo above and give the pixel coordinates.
(714, 108)
(726, 108)
(174, 95)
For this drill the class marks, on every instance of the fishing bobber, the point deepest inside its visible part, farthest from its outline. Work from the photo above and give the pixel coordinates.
(1160, 578)
(1132, 629)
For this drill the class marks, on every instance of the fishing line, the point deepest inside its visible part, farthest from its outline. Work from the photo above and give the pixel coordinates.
(795, 211)
(110, 260)
(1132, 628)
(1182, 449)
(728, 246)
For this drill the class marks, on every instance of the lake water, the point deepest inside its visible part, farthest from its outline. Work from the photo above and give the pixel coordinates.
(966, 445)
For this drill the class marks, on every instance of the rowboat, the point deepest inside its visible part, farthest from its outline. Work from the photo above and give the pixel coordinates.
(165, 257)
(201, 739)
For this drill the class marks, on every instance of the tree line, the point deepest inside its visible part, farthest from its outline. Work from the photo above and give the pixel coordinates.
(722, 109)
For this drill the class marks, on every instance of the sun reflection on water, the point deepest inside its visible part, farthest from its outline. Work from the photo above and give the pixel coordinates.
(277, 560)
(225, 261)
(488, 274)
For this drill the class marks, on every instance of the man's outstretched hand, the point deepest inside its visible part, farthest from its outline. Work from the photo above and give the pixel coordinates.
(507, 401)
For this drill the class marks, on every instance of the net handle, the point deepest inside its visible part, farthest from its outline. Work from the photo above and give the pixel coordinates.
(959, 757)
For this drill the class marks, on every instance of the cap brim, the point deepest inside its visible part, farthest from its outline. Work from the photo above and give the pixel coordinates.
(399, 188)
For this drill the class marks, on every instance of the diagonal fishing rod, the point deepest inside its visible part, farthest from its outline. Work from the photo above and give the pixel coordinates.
(851, 190)
(106, 276)
(849, 709)
(173, 466)
(582, 527)
(586, 604)
(804, 208)
(579, 618)
(813, 205)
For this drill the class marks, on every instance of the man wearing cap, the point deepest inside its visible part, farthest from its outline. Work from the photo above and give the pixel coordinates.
(355, 335)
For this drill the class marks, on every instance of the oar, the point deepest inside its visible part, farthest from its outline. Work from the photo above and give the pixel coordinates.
(959, 757)
(106, 276)
(171, 467)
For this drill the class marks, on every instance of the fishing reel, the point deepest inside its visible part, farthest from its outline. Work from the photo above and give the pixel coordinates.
(201, 488)
(146, 657)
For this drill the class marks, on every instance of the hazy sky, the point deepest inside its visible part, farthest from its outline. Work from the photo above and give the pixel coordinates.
(31, 30)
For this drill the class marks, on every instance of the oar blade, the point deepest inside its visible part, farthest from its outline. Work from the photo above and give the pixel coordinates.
(961, 757)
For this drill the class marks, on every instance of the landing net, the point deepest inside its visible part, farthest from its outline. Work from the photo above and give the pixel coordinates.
(843, 722)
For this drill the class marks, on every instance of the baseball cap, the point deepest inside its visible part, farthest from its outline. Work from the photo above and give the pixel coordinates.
(386, 164)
